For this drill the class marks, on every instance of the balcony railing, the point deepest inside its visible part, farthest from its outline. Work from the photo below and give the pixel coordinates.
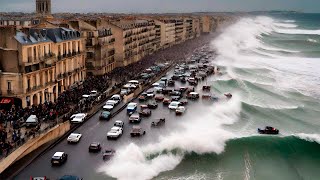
(10, 92)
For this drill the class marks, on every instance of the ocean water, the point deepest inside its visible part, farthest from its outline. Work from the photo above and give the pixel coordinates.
(271, 64)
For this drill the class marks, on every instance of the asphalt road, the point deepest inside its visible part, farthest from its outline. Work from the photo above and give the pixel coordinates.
(84, 164)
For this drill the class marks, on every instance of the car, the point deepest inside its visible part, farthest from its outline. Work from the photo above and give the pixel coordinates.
(137, 131)
(116, 98)
(74, 138)
(78, 118)
(175, 93)
(268, 130)
(150, 93)
(182, 89)
(159, 97)
(167, 90)
(108, 153)
(59, 158)
(95, 147)
(193, 95)
(174, 105)
(115, 132)
(131, 108)
(39, 178)
(166, 101)
(159, 89)
(118, 123)
(183, 101)
(171, 82)
(143, 97)
(94, 93)
(183, 80)
(110, 104)
(135, 118)
(145, 112)
(152, 105)
(180, 110)
(175, 98)
(105, 115)
(124, 92)
(158, 122)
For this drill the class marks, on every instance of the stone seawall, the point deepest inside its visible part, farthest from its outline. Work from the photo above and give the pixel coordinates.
(34, 143)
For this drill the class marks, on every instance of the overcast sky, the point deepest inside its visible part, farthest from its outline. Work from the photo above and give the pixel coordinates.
(161, 6)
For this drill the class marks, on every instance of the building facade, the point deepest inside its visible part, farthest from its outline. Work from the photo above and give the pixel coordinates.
(167, 32)
(134, 39)
(100, 50)
(39, 63)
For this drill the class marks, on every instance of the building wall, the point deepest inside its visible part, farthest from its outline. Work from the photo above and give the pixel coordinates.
(206, 24)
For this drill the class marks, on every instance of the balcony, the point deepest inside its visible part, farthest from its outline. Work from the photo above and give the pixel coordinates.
(10, 92)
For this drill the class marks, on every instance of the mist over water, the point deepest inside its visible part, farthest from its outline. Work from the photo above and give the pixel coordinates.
(274, 82)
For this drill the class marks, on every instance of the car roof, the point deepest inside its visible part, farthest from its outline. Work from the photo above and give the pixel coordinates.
(115, 128)
(58, 154)
(75, 134)
(136, 127)
(118, 121)
(132, 103)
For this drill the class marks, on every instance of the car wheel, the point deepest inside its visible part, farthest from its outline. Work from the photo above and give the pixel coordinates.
(144, 132)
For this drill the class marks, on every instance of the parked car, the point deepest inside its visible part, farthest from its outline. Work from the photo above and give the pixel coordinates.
(105, 115)
(116, 97)
(124, 92)
(137, 131)
(131, 108)
(59, 158)
(108, 153)
(119, 123)
(171, 82)
(110, 104)
(135, 118)
(183, 102)
(175, 98)
(115, 132)
(142, 97)
(95, 147)
(152, 105)
(74, 138)
(158, 122)
(78, 118)
(174, 105)
(180, 110)
(94, 93)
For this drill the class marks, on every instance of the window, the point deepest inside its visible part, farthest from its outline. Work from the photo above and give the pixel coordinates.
(9, 85)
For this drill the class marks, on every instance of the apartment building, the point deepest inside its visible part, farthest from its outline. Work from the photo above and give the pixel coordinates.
(188, 28)
(38, 63)
(206, 24)
(167, 32)
(179, 28)
(134, 40)
(196, 26)
(99, 41)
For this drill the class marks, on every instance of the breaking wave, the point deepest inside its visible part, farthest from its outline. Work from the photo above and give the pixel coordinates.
(285, 25)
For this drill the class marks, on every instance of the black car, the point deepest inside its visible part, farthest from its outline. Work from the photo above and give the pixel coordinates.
(94, 147)
(268, 130)
(183, 80)
(59, 158)
(171, 83)
(152, 105)
(105, 115)
(158, 122)
(145, 112)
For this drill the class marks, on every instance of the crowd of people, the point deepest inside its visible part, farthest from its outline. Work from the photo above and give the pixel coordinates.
(68, 100)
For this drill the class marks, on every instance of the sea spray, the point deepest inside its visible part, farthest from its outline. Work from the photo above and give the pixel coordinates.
(201, 134)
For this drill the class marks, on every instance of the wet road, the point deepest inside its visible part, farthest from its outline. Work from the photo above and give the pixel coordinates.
(84, 164)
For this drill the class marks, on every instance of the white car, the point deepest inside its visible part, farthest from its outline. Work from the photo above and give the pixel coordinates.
(94, 93)
(124, 92)
(110, 104)
(150, 93)
(174, 105)
(74, 138)
(78, 118)
(118, 124)
(115, 132)
(180, 110)
(116, 98)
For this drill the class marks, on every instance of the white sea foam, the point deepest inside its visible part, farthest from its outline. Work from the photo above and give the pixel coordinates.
(298, 31)
(309, 137)
(289, 21)
(131, 161)
(286, 25)
(312, 40)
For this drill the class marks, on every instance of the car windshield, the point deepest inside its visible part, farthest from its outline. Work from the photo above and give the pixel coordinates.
(131, 105)
(56, 157)
(110, 103)
(73, 136)
(106, 113)
(94, 145)
(79, 116)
